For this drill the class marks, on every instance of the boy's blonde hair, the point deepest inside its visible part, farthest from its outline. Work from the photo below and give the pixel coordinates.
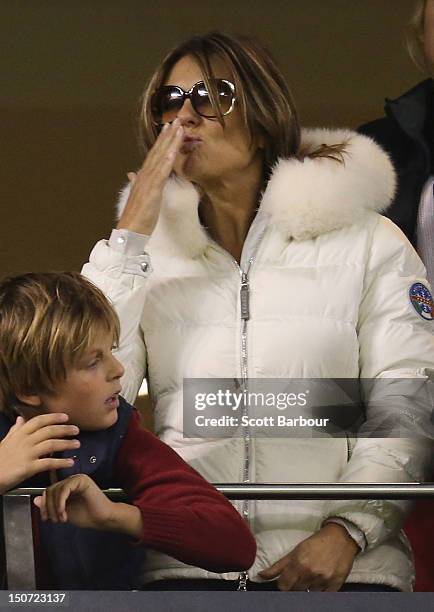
(47, 321)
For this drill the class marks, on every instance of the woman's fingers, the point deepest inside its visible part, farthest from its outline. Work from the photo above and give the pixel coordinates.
(153, 151)
(164, 137)
(144, 201)
(176, 142)
(170, 142)
(151, 175)
(167, 162)
(167, 156)
(276, 569)
(173, 141)
(290, 579)
(333, 587)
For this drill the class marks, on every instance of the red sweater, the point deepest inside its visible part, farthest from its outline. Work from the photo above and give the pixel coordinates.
(183, 515)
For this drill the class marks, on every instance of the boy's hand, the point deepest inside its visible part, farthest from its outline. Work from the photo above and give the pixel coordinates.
(80, 501)
(77, 500)
(24, 451)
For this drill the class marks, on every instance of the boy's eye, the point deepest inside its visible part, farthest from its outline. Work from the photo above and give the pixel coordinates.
(93, 363)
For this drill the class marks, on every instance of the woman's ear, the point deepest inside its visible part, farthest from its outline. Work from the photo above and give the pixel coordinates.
(261, 141)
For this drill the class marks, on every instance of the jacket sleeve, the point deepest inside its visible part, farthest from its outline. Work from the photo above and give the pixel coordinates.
(396, 352)
(120, 268)
(183, 515)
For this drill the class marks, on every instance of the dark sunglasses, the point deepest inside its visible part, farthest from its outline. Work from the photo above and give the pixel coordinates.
(168, 100)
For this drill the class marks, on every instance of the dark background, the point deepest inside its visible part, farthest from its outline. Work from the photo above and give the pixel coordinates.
(72, 74)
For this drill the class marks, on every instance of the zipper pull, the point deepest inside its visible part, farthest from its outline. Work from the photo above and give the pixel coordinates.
(242, 581)
(244, 296)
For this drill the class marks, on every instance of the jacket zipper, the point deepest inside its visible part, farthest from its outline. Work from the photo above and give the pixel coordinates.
(243, 577)
(349, 446)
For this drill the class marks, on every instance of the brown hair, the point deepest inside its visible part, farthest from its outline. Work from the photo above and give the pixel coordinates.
(415, 37)
(47, 321)
(265, 101)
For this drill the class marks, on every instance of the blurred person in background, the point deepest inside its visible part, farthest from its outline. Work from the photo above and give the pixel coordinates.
(407, 134)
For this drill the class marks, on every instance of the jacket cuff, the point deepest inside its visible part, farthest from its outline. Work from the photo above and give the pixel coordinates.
(128, 242)
(114, 263)
(376, 519)
(353, 531)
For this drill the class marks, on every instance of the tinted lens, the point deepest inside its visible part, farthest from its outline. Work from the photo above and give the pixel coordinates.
(202, 102)
(166, 103)
(226, 95)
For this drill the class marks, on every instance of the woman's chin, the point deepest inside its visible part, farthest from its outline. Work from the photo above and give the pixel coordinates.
(188, 168)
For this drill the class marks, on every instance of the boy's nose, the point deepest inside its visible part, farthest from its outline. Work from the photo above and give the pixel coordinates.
(117, 370)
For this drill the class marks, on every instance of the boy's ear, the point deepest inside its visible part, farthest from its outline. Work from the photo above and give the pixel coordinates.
(30, 400)
(29, 407)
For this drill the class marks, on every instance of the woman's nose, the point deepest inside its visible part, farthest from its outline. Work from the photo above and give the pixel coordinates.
(187, 115)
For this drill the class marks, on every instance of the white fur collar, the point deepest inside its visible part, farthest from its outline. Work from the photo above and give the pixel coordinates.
(304, 199)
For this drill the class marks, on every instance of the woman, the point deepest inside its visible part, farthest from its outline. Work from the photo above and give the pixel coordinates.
(269, 260)
(407, 134)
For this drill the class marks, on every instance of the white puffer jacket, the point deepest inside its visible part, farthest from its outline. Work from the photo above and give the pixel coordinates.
(328, 279)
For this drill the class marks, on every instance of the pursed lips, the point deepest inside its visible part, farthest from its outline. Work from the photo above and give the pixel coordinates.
(190, 143)
(192, 139)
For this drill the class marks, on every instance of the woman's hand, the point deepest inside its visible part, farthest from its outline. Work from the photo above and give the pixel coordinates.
(144, 203)
(79, 500)
(23, 452)
(322, 562)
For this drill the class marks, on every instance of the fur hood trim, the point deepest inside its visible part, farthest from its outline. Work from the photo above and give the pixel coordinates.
(304, 198)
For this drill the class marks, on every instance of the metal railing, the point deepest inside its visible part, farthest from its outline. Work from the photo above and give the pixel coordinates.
(17, 520)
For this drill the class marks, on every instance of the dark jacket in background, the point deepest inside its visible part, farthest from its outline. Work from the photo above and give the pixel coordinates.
(407, 134)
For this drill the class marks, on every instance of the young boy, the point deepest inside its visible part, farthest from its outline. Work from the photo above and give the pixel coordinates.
(63, 422)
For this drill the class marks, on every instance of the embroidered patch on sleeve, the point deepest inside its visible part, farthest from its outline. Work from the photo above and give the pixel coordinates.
(421, 299)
